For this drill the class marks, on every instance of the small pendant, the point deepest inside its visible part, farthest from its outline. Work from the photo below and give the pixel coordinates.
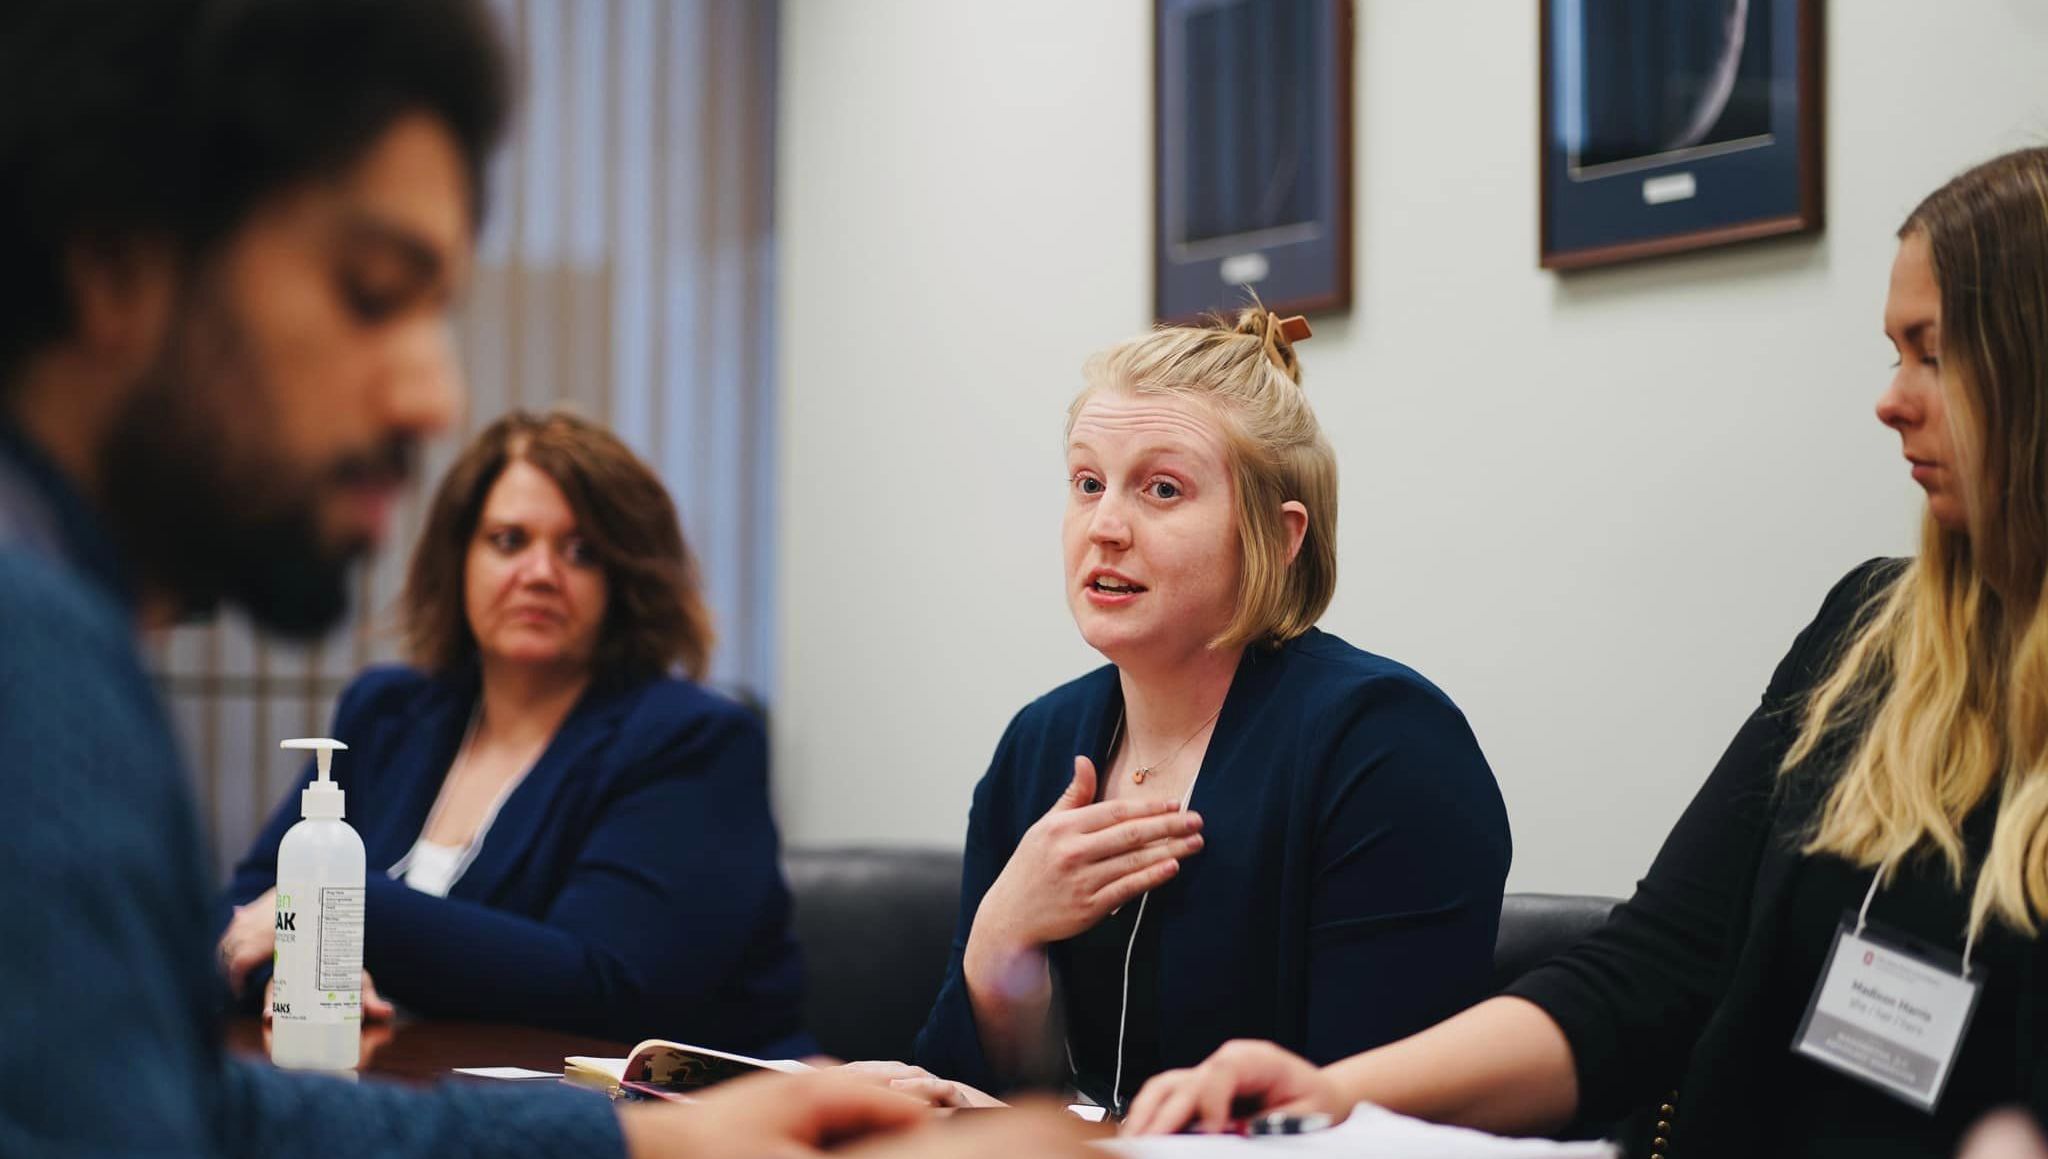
(1138, 775)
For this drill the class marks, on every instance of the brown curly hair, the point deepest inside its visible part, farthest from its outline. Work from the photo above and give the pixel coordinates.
(655, 616)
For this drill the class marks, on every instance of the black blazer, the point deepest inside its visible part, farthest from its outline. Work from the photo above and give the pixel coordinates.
(1670, 992)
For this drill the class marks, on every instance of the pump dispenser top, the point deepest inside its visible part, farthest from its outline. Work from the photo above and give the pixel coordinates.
(322, 798)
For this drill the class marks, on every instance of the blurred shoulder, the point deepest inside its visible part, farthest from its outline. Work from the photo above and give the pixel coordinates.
(49, 611)
(70, 669)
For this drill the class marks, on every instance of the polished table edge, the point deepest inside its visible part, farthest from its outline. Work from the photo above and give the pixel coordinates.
(420, 1051)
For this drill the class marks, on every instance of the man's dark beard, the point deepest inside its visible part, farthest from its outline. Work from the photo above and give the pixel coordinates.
(203, 520)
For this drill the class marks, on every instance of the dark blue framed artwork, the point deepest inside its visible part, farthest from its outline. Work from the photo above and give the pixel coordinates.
(1252, 155)
(1677, 125)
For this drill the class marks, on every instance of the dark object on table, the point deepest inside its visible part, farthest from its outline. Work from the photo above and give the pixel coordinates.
(876, 928)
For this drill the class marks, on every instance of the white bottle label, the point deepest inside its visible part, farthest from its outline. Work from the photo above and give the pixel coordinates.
(318, 975)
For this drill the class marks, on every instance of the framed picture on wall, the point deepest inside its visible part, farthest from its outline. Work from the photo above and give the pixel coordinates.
(1676, 125)
(1252, 155)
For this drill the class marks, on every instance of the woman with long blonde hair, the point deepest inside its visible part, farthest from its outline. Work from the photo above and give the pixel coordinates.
(1836, 951)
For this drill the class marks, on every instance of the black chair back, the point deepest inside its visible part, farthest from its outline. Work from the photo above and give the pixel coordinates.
(876, 928)
(1535, 927)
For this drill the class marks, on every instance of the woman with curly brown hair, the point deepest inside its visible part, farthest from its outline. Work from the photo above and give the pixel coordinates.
(562, 829)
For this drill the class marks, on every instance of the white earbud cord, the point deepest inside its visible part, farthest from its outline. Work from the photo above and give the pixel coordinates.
(1116, 1082)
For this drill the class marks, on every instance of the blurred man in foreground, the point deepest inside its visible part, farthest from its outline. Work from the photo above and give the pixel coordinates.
(230, 234)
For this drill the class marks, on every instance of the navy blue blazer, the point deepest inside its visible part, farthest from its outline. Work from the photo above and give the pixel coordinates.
(630, 886)
(1348, 889)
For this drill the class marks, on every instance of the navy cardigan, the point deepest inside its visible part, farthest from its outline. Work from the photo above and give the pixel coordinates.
(1348, 889)
(630, 886)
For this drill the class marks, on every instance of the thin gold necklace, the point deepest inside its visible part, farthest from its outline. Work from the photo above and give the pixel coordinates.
(1139, 774)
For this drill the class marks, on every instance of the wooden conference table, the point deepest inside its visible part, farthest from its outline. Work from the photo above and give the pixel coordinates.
(428, 1051)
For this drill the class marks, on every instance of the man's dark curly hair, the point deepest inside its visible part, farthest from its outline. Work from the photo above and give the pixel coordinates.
(173, 119)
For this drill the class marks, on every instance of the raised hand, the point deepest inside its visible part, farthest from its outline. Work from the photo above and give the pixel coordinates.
(249, 940)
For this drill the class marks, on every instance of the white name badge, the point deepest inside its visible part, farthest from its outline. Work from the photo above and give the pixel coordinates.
(1892, 1018)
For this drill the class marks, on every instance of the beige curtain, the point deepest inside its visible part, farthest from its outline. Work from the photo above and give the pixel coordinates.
(625, 271)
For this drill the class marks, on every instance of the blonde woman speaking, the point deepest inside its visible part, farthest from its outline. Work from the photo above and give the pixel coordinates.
(1240, 824)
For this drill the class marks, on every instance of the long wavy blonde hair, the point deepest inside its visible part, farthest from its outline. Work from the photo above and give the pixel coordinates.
(1945, 686)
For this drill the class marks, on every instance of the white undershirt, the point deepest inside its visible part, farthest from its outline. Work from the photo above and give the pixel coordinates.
(432, 867)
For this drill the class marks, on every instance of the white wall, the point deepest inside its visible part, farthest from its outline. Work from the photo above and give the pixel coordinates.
(1594, 509)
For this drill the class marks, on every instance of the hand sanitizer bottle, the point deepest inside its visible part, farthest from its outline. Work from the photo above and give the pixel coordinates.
(316, 1000)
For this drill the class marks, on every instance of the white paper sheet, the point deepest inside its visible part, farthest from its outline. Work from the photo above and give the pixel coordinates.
(1086, 1112)
(615, 1067)
(507, 1072)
